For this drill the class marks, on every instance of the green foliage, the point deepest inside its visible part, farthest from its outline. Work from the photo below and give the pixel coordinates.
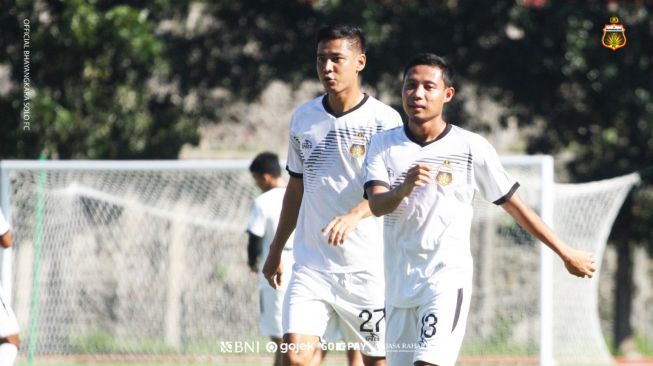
(90, 67)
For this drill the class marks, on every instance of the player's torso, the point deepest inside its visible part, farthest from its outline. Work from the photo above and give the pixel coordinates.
(428, 232)
(332, 149)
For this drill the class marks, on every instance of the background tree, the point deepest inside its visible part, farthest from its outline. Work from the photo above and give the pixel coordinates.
(91, 62)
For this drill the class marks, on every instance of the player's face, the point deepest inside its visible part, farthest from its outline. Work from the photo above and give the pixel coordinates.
(424, 93)
(338, 64)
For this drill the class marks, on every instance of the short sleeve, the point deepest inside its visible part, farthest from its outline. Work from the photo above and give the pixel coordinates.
(393, 121)
(295, 164)
(256, 223)
(375, 168)
(4, 225)
(492, 180)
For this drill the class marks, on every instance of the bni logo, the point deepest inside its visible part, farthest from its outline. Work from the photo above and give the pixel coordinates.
(238, 347)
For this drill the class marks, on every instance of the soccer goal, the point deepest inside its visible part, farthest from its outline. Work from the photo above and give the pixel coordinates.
(146, 260)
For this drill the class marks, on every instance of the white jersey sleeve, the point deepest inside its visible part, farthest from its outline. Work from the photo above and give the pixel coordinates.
(257, 221)
(295, 163)
(376, 172)
(490, 177)
(4, 225)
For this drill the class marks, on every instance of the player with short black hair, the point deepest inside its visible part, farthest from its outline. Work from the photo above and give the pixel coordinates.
(263, 220)
(423, 177)
(266, 163)
(338, 274)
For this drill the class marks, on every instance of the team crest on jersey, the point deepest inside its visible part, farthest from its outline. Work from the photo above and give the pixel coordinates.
(444, 177)
(357, 148)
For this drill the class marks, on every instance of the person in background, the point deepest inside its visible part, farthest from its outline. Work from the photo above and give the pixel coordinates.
(263, 220)
(9, 340)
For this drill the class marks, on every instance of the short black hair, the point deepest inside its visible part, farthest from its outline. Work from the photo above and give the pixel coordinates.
(352, 33)
(431, 59)
(266, 163)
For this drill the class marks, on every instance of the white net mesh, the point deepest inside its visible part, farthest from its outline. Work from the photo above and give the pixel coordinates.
(152, 263)
(584, 214)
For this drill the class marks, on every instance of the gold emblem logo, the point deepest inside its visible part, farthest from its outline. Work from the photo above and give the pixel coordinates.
(445, 174)
(614, 35)
(357, 148)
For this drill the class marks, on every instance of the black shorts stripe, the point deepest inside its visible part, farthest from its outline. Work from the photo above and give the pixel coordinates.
(459, 304)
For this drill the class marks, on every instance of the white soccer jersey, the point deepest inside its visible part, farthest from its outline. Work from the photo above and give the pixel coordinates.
(263, 220)
(327, 151)
(427, 236)
(4, 225)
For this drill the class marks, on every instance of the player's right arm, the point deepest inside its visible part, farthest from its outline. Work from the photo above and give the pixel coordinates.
(384, 200)
(292, 200)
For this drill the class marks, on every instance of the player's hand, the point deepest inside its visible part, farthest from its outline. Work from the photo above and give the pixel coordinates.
(417, 176)
(273, 271)
(253, 269)
(338, 229)
(580, 263)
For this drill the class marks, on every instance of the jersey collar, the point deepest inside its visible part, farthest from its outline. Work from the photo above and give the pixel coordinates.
(325, 104)
(412, 137)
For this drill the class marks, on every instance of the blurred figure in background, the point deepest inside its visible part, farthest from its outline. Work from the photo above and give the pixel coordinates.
(9, 340)
(263, 220)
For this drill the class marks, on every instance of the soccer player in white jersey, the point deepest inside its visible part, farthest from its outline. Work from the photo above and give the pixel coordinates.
(9, 340)
(423, 177)
(338, 272)
(263, 221)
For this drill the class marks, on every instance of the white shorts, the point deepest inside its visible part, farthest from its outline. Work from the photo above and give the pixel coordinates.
(271, 300)
(432, 332)
(8, 322)
(315, 300)
(271, 303)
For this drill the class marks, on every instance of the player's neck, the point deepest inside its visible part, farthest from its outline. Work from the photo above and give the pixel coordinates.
(345, 100)
(277, 183)
(427, 131)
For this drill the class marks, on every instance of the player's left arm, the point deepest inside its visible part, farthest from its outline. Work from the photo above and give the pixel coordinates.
(578, 263)
(254, 249)
(338, 228)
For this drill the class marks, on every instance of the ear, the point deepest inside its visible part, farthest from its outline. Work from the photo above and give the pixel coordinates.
(449, 93)
(361, 60)
(268, 178)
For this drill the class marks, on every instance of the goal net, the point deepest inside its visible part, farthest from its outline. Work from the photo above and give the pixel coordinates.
(146, 260)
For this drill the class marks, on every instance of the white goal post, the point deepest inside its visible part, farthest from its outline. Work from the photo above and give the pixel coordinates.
(147, 259)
